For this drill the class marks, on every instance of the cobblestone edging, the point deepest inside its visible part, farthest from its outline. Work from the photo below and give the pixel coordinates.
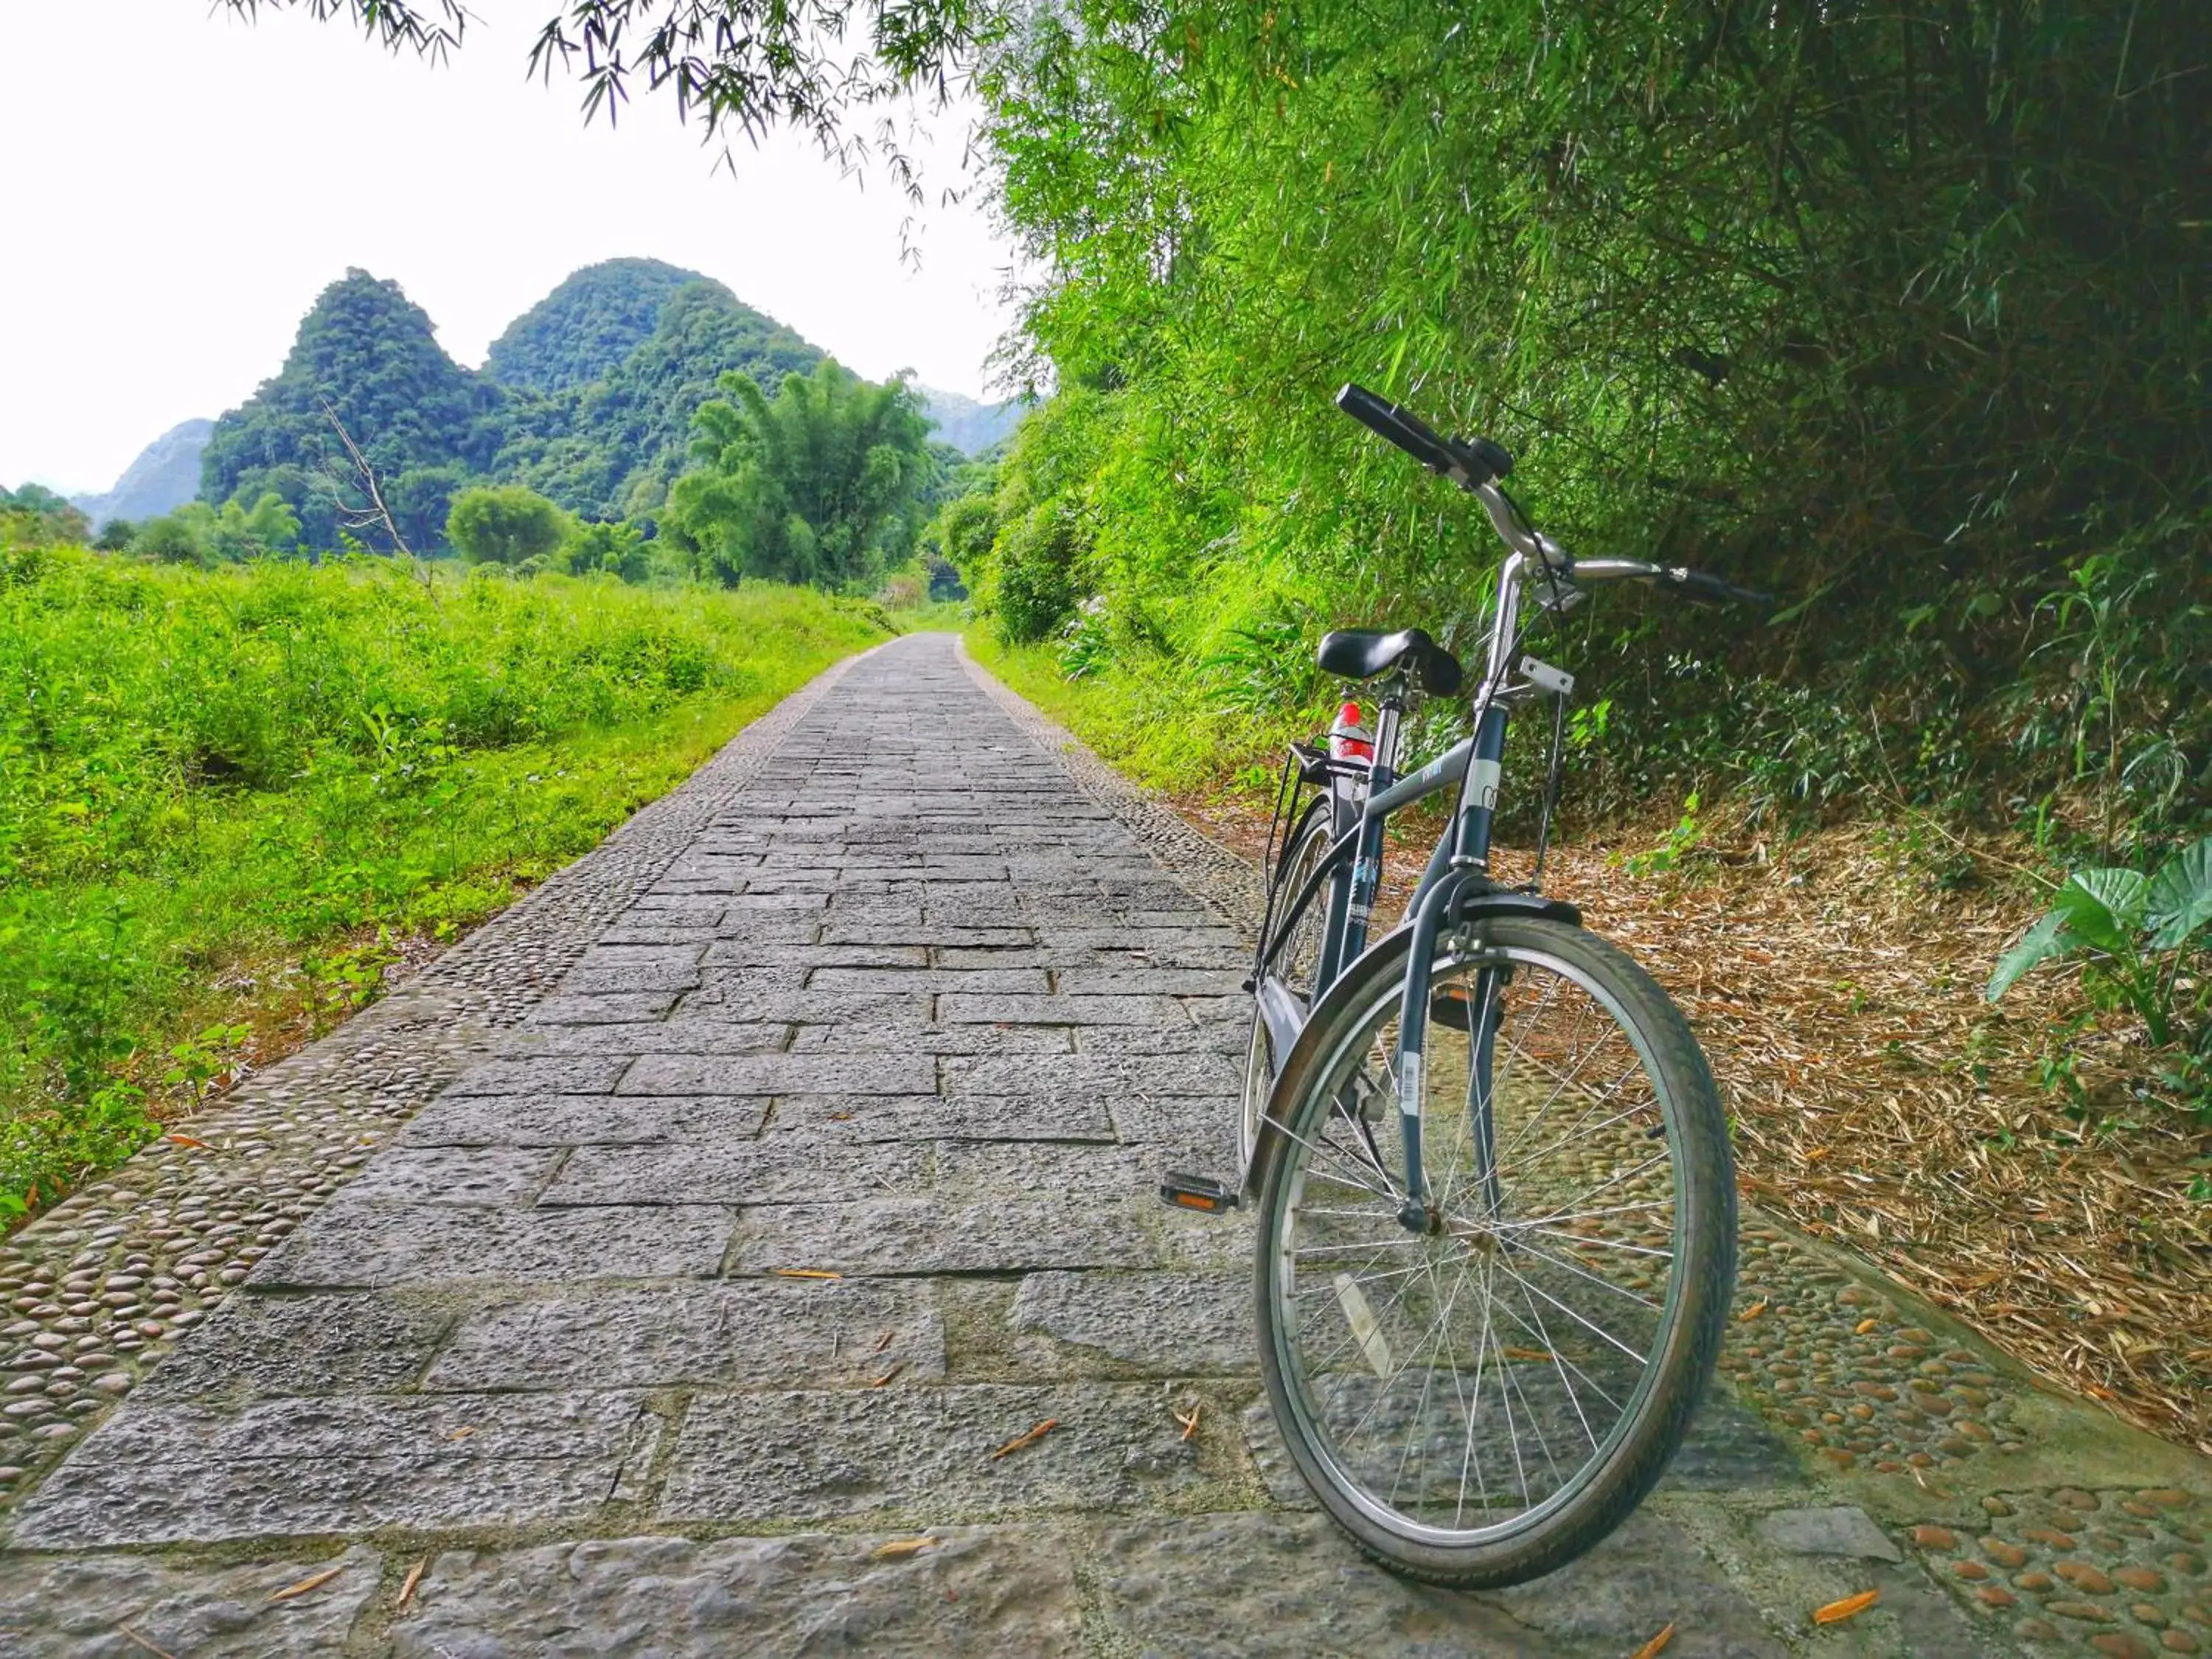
(96, 1289)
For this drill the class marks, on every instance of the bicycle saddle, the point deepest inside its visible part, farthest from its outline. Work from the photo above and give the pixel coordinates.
(1361, 653)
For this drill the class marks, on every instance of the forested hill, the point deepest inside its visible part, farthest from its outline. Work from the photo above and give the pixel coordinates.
(584, 328)
(366, 354)
(587, 397)
(609, 441)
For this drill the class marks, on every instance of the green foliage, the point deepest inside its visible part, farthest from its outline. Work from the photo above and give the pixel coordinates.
(816, 484)
(115, 536)
(241, 773)
(612, 549)
(586, 328)
(169, 539)
(1681, 844)
(1893, 313)
(505, 524)
(33, 498)
(609, 447)
(35, 517)
(422, 500)
(368, 353)
(2133, 937)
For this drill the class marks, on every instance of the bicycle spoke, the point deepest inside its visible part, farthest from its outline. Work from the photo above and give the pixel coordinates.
(1480, 1374)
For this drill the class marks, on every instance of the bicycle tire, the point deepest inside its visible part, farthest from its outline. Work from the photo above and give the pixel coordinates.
(1311, 839)
(1700, 1273)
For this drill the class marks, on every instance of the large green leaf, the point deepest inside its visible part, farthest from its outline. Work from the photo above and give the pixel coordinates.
(2048, 938)
(2179, 899)
(2106, 907)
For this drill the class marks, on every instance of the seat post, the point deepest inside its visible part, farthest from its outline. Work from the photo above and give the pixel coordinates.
(1389, 714)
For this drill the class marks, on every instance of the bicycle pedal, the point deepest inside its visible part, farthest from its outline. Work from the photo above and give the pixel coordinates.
(1197, 1192)
(1453, 1009)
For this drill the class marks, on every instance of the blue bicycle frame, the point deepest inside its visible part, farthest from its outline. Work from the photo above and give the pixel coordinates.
(1458, 879)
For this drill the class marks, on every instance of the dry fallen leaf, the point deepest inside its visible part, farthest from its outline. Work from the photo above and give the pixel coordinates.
(307, 1584)
(1656, 1646)
(1864, 1325)
(806, 1272)
(882, 1342)
(137, 1640)
(1750, 1313)
(1190, 1423)
(899, 1548)
(897, 1366)
(462, 1432)
(414, 1577)
(1029, 1439)
(1539, 1354)
(189, 1141)
(1850, 1607)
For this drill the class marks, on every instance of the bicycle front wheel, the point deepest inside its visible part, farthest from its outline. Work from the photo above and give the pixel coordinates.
(1480, 1401)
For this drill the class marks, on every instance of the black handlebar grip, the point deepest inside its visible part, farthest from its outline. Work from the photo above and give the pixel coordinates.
(1468, 462)
(1398, 426)
(1703, 589)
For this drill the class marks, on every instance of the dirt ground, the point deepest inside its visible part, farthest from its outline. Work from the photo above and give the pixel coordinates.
(1879, 1099)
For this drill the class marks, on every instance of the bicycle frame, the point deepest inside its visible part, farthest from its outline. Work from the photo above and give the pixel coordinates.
(1458, 870)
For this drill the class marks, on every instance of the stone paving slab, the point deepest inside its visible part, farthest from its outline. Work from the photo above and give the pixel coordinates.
(788, 1169)
(974, 1593)
(107, 1607)
(573, 1120)
(927, 1454)
(934, 1236)
(283, 1468)
(766, 1334)
(350, 1342)
(758, 1177)
(363, 1243)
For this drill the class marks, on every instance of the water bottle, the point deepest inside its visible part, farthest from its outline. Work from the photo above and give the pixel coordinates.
(1348, 740)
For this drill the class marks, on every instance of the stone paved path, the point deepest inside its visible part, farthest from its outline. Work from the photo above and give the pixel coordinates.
(536, 1352)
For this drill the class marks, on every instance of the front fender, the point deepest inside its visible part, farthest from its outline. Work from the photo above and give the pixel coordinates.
(1386, 955)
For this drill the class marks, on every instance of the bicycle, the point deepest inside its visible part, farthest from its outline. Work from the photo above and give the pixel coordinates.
(1483, 1333)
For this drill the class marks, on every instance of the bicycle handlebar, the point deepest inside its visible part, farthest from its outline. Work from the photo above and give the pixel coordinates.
(1699, 588)
(1474, 463)
(1466, 462)
(1694, 585)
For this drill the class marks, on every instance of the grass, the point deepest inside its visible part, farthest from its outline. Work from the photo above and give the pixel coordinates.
(1150, 728)
(229, 798)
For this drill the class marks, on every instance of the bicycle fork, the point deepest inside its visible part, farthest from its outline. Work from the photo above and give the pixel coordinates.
(1441, 890)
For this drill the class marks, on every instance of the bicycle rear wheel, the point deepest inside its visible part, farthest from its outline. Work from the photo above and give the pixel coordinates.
(1480, 1402)
(1298, 964)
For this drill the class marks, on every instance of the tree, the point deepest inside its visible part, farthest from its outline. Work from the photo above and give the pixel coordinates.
(37, 514)
(422, 500)
(614, 549)
(740, 66)
(170, 539)
(115, 535)
(810, 486)
(505, 524)
(238, 531)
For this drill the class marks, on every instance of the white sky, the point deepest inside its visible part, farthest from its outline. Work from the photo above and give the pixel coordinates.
(179, 186)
